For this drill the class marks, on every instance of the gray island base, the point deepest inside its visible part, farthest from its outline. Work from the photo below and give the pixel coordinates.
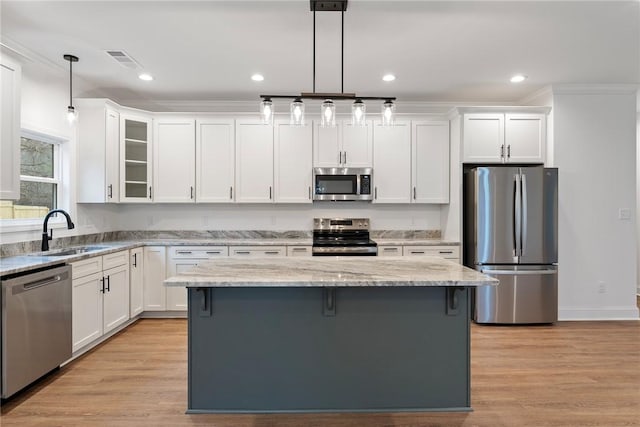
(329, 334)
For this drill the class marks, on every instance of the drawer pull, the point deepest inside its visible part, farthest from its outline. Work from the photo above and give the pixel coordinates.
(243, 252)
(390, 249)
(185, 252)
(445, 252)
(300, 249)
(272, 252)
(417, 252)
(213, 252)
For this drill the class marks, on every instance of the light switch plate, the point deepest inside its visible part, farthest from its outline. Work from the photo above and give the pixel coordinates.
(624, 213)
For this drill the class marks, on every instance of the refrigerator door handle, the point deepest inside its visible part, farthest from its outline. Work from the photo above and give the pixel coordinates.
(523, 225)
(517, 226)
(518, 272)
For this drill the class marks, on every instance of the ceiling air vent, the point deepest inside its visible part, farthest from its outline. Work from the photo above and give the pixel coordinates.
(123, 59)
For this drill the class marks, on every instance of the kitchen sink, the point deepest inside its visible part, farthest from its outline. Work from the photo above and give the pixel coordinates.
(71, 251)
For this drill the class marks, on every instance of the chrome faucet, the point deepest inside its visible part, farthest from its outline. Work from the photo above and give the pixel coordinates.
(46, 237)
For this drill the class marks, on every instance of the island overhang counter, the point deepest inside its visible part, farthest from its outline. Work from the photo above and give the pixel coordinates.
(329, 334)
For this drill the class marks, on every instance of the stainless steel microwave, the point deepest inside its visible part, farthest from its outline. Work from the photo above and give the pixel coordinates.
(342, 184)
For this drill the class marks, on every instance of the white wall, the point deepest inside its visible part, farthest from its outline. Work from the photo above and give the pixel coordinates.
(638, 195)
(595, 152)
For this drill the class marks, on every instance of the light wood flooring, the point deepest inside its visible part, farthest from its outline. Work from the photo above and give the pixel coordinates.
(570, 374)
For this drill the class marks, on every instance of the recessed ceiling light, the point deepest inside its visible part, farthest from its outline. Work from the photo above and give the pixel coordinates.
(518, 78)
(146, 77)
(388, 77)
(257, 77)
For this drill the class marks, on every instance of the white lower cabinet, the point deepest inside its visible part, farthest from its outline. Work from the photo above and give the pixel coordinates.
(389, 250)
(154, 294)
(298, 250)
(257, 251)
(182, 259)
(447, 252)
(136, 281)
(100, 296)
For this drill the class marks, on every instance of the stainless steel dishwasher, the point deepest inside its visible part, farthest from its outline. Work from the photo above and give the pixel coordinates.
(36, 325)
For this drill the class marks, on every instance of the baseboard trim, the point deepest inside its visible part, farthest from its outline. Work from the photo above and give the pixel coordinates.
(604, 313)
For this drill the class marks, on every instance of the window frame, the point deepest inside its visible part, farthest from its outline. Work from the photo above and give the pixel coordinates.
(60, 178)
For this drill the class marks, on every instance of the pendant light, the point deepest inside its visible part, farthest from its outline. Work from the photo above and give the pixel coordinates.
(297, 112)
(328, 114)
(266, 111)
(358, 113)
(71, 111)
(388, 113)
(328, 108)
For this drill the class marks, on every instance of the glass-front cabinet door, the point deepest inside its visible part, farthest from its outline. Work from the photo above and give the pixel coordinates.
(135, 155)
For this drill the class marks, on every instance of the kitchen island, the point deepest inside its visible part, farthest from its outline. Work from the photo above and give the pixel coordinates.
(329, 334)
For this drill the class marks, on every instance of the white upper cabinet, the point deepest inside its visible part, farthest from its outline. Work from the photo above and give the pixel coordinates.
(391, 161)
(215, 160)
(10, 78)
(483, 136)
(174, 154)
(344, 145)
(98, 147)
(504, 138)
(524, 137)
(135, 158)
(254, 162)
(292, 163)
(430, 162)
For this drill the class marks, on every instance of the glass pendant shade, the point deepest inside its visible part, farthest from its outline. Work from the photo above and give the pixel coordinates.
(297, 112)
(388, 113)
(266, 111)
(328, 114)
(358, 111)
(71, 114)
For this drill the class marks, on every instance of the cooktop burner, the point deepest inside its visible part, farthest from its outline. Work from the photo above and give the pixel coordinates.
(342, 236)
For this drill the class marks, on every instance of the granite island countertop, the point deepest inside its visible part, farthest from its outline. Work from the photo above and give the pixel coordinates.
(329, 272)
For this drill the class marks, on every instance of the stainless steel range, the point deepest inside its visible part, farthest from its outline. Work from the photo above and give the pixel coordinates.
(342, 236)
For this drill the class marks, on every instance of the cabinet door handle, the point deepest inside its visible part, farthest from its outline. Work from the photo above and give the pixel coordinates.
(243, 252)
(272, 252)
(191, 192)
(375, 193)
(270, 192)
(102, 287)
(110, 191)
(231, 193)
(108, 284)
(339, 157)
(345, 157)
(150, 193)
(414, 193)
(135, 260)
(502, 151)
(509, 151)
(309, 192)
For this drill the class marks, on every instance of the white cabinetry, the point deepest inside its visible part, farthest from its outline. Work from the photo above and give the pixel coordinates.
(447, 252)
(10, 78)
(98, 148)
(257, 251)
(100, 296)
(135, 158)
(215, 160)
(430, 162)
(344, 145)
(154, 294)
(174, 158)
(292, 163)
(254, 162)
(136, 281)
(184, 258)
(391, 161)
(504, 137)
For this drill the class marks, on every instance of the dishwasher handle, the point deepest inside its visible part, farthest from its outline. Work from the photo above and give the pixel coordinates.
(32, 281)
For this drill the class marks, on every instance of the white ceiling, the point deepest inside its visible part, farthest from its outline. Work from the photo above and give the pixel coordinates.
(447, 51)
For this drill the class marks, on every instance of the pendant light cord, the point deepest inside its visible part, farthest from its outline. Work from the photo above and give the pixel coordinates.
(70, 83)
(342, 57)
(314, 50)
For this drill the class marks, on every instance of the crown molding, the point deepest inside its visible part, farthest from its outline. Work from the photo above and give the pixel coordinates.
(596, 89)
(29, 55)
(545, 91)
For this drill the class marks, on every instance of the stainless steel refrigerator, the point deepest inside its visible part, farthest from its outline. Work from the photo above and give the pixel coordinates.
(511, 233)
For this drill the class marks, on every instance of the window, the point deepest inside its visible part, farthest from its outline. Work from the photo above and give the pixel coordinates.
(40, 173)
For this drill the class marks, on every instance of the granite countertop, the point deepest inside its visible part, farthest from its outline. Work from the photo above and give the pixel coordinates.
(417, 242)
(329, 272)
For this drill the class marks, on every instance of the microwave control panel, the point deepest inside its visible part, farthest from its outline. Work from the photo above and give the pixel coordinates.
(365, 184)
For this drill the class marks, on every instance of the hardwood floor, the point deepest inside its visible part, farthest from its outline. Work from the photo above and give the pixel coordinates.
(570, 374)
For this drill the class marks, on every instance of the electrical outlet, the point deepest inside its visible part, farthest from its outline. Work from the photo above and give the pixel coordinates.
(624, 213)
(602, 287)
